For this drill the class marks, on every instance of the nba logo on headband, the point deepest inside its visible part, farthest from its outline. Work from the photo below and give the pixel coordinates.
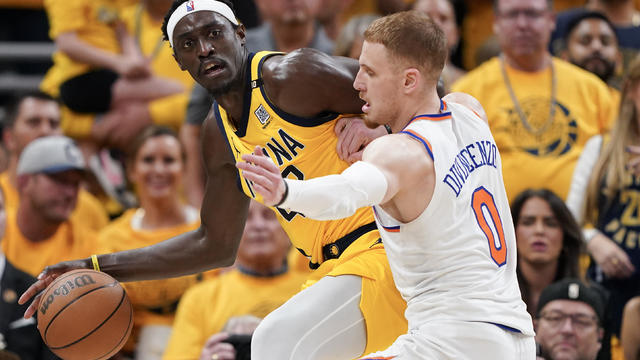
(190, 6)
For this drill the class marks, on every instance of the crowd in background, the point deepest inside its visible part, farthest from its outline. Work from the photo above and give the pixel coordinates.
(103, 155)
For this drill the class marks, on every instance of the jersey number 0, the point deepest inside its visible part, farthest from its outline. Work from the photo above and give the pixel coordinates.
(484, 208)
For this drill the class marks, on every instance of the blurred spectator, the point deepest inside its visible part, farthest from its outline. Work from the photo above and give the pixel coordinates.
(443, 12)
(569, 321)
(234, 342)
(41, 231)
(18, 336)
(98, 69)
(475, 29)
(349, 42)
(287, 25)
(604, 195)
(144, 22)
(31, 116)
(591, 43)
(260, 282)
(155, 167)
(549, 243)
(630, 334)
(622, 13)
(541, 110)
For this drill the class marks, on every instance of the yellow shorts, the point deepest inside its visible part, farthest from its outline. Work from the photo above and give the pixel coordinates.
(381, 304)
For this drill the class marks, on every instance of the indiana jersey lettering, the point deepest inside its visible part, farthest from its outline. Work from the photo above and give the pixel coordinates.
(457, 260)
(303, 148)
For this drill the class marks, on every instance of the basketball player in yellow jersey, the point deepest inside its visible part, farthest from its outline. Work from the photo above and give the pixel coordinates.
(287, 104)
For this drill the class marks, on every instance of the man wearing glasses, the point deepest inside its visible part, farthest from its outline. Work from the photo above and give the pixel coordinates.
(569, 321)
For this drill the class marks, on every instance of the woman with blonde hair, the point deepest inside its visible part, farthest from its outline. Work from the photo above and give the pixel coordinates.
(605, 198)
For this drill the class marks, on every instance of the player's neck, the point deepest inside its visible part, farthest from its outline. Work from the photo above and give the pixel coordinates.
(532, 63)
(429, 105)
(32, 225)
(620, 13)
(289, 37)
(232, 100)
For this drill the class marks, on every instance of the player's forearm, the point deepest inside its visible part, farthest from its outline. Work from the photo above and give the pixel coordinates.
(337, 196)
(188, 253)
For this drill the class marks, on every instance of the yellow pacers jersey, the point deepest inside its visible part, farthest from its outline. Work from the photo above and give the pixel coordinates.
(303, 148)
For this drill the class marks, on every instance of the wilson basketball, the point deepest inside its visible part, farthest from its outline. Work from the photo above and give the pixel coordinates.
(85, 314)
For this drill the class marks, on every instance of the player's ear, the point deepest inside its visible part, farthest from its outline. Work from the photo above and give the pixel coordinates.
(242, 34)
(412, 78)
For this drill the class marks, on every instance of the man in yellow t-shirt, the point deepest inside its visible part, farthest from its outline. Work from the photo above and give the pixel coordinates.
(41, 230)
(259, 284)
(541, 110)
(31, 116)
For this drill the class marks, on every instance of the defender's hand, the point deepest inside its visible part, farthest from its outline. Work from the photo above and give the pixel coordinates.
(265, 176)
(353, 137)
(45, 278)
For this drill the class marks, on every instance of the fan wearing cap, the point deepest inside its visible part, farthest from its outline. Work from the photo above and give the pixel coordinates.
(41, 231)
(569, 321)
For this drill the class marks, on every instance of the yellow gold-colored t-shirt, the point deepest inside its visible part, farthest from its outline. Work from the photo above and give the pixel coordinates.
(89, 211)
(90, 20)
(73, 240)
(539, 151)
(205, 308)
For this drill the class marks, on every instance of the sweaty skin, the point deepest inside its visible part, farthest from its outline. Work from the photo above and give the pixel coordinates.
(304, 83)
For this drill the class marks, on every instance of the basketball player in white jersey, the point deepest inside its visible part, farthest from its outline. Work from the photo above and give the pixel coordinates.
(437, 190)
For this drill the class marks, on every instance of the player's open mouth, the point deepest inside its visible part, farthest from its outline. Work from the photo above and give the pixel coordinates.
(366, 107)
(212, 68)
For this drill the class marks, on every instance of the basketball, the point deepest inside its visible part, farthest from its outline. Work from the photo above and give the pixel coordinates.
(85, 314)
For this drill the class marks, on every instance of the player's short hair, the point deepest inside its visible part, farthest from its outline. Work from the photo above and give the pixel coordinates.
(13, 105)
(414, 38)
(497, 2)
(176, 4)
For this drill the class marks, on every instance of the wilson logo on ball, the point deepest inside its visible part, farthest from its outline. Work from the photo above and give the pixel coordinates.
(64, 289)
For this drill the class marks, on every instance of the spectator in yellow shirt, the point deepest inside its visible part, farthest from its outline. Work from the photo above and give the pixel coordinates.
(98, 69)
(41, 230)
(30, 116)
(155, 167)
(541, 110)
(259, 284)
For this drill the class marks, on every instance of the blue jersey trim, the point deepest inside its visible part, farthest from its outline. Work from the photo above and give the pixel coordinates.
(421, 140)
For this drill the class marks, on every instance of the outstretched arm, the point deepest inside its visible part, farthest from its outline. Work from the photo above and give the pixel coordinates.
(214, 244)
(391, 165)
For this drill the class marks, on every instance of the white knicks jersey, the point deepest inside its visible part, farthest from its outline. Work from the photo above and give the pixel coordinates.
(457, 260)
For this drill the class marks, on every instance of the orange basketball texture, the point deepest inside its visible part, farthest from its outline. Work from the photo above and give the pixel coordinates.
(85, 314)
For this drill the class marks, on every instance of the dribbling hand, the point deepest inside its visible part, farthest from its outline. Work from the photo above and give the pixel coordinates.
(265, 176)
(45, 278)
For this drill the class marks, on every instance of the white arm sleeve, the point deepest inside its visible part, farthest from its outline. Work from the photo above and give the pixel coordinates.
(337, 196)
(580, 181)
